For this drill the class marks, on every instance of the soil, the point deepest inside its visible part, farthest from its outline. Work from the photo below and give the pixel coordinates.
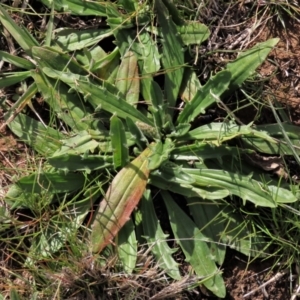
(242, 278)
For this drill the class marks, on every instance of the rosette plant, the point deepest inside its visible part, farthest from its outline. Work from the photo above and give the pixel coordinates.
(124, 140)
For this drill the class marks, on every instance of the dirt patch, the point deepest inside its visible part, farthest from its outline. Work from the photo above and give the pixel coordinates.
(283, 67)
(242, 278)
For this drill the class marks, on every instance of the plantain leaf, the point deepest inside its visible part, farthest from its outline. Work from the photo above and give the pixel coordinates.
(243, 186)
(127, 247)
(205, 96)
(194, 247)
(17, 61)
(205, 216)
(100, 97)
(54, 59)
(71, 40)
(77, 7)
(156, 239)
(193, 33)
(119, 143)
(217, 133)
(74, 162)
(120, 200)
(51, 182)
(279, 147)
(11, 78)
(173, 58)
(127, 80)
(44, 140)
(248, 61)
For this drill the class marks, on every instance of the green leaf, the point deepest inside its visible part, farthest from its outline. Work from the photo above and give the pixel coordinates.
(205, 215)
(206, 95)
(218, 133)
(119, 142)
(100, 97)
(144, 48)
(54, 59)
(51, 182)
(247, 62)
(127, 80)
(11, 78)
(14, 295)
(190, 85)
(243, 186)
(44, 140)
(173, 57)
(77, 7)
(71, 40)
(280, 146)
(75, 162)
(137, 134)
(156, 238)
(83, 142)
(127, 247)
(240, 234)
(17, 61)
(161, 152)
(103, 64)
(21, 35)
(200, 151)
(68, 107)
(193, 33)
(174, 179)
(194, 247)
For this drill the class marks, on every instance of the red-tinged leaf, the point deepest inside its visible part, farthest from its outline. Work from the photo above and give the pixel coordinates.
(122, 197)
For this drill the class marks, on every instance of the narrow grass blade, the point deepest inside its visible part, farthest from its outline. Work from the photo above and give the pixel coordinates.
(127, 247)
(206, 96)
(21, 35)
(17, 61)
(62, 227)
(156, 238)
(248, 61)
(194, 246)
(118, 142)
(8, 79)
(127, 80)
(120, 200)
(172, 58)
